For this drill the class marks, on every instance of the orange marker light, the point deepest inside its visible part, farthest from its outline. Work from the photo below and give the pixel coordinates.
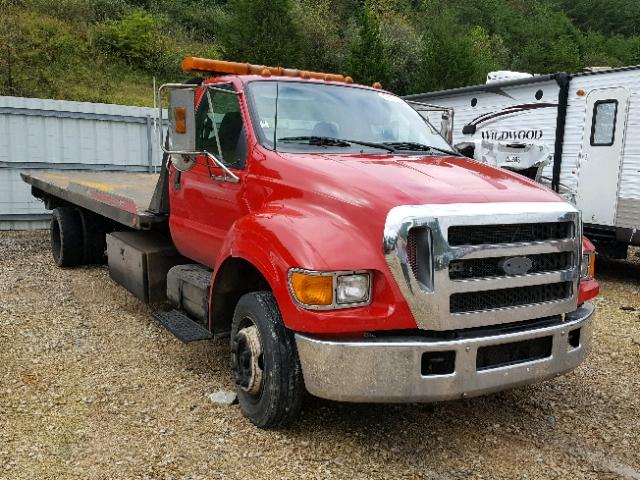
(180, 117)
(588, 268)
(206, 65)
(581, 93)
(312, 289)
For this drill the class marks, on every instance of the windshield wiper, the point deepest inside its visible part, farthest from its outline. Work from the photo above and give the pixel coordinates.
(420, 147)
(312, 140)
(334, 142)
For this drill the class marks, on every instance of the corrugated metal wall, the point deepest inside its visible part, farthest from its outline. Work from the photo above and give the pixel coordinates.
(53, 134)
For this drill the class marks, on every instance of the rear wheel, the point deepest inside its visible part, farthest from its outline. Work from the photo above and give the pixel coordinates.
(66, 237)
(94, 234)
(265, 362)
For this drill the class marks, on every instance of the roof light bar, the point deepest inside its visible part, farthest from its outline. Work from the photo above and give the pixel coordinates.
(206, 65)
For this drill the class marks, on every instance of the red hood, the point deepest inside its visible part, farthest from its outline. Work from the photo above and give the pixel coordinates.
(384, 182)
(331, 201)
(328, 212)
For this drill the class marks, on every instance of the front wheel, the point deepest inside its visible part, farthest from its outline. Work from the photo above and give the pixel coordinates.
(265, 362)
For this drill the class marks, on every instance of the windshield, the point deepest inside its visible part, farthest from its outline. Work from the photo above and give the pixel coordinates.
(298, 116)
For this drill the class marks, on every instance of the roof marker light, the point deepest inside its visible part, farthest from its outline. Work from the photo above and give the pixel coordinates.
(206, 65)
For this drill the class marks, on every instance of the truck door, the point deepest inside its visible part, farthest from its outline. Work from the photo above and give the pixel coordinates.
(601, 156)
(205, 206)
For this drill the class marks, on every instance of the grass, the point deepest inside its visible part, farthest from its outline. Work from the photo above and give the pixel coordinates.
(50, 55)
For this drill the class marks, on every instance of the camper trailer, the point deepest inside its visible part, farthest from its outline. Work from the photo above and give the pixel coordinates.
(575, 132)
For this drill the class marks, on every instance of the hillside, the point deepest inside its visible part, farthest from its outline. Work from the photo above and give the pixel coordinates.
(110, 50)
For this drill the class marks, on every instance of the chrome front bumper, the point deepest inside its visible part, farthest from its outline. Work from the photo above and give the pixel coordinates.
(390, 369)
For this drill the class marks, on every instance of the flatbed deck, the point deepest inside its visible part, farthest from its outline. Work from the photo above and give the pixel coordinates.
(124, 197)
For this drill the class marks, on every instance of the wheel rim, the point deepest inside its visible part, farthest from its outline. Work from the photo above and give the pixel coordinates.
(249, 364)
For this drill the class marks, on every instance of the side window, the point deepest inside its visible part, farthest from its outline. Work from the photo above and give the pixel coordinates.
(228, 123)
(603, 123)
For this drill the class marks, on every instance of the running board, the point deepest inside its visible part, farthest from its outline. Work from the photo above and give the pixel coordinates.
(182, 326)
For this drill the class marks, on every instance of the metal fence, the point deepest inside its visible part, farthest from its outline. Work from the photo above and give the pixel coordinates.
(54, 134)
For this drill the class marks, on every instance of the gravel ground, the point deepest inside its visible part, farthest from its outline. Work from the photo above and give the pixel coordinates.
(92, 387)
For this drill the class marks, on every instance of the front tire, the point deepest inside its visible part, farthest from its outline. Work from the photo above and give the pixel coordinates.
(265, 362)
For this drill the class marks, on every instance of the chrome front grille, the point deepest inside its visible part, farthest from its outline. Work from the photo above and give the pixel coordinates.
(468, 265)
(509, 297)
(509, 233)
(494, 267)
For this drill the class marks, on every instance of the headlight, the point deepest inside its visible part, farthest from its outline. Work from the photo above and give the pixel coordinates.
(330, 290)
(588, 266)
(352, 288)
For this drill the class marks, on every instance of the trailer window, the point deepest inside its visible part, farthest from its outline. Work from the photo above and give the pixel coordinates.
(229, 125)
(603, 123)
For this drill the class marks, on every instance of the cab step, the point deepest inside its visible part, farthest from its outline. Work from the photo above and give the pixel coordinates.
(182, 326)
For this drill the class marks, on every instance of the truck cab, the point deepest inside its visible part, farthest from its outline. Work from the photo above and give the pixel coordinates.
(347, 250)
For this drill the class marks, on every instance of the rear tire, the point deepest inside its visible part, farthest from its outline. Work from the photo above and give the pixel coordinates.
(265, 362)
(66, 237)
(94, 234)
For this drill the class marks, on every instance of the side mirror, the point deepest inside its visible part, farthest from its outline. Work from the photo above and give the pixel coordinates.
(182, 129)
(182, 124)
(446, 118)
(467, 149)
(182, 119)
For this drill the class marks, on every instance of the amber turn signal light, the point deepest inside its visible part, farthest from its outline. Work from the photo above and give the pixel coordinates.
(207, 65)
(312, 289)
(180, 118)
(588, 267)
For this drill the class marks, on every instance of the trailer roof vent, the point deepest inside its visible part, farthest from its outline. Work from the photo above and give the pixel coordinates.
(504, 75)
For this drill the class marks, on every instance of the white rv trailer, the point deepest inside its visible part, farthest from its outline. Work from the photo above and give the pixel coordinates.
(579, 133)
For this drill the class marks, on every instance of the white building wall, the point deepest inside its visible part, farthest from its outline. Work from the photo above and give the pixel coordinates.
(54, 134)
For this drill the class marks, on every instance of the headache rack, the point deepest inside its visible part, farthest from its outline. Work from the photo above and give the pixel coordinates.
(472, 265)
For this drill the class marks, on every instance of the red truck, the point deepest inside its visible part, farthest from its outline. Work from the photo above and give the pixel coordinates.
(340, 243)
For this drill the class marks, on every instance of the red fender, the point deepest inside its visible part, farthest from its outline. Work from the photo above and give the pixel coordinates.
(270, 243)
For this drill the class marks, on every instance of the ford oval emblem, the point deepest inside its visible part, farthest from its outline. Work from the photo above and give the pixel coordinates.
(517, 265)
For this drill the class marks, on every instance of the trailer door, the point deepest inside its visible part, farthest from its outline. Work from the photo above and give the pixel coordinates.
(601, 156)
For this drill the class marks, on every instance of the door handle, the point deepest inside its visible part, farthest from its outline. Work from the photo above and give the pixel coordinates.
(176, 180)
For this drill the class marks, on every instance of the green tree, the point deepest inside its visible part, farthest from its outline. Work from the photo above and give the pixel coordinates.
(136, 38)
(262, 32)
(617, 17)
(546, 41)
(489, 53)
(34, 49)
(408, 45)
(402, 44)
(323, 40)
(198, 19)
(367, 62)
(447, 57)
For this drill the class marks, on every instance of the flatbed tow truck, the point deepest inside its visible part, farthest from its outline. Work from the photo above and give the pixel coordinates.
(338, 241)
(122, 197)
